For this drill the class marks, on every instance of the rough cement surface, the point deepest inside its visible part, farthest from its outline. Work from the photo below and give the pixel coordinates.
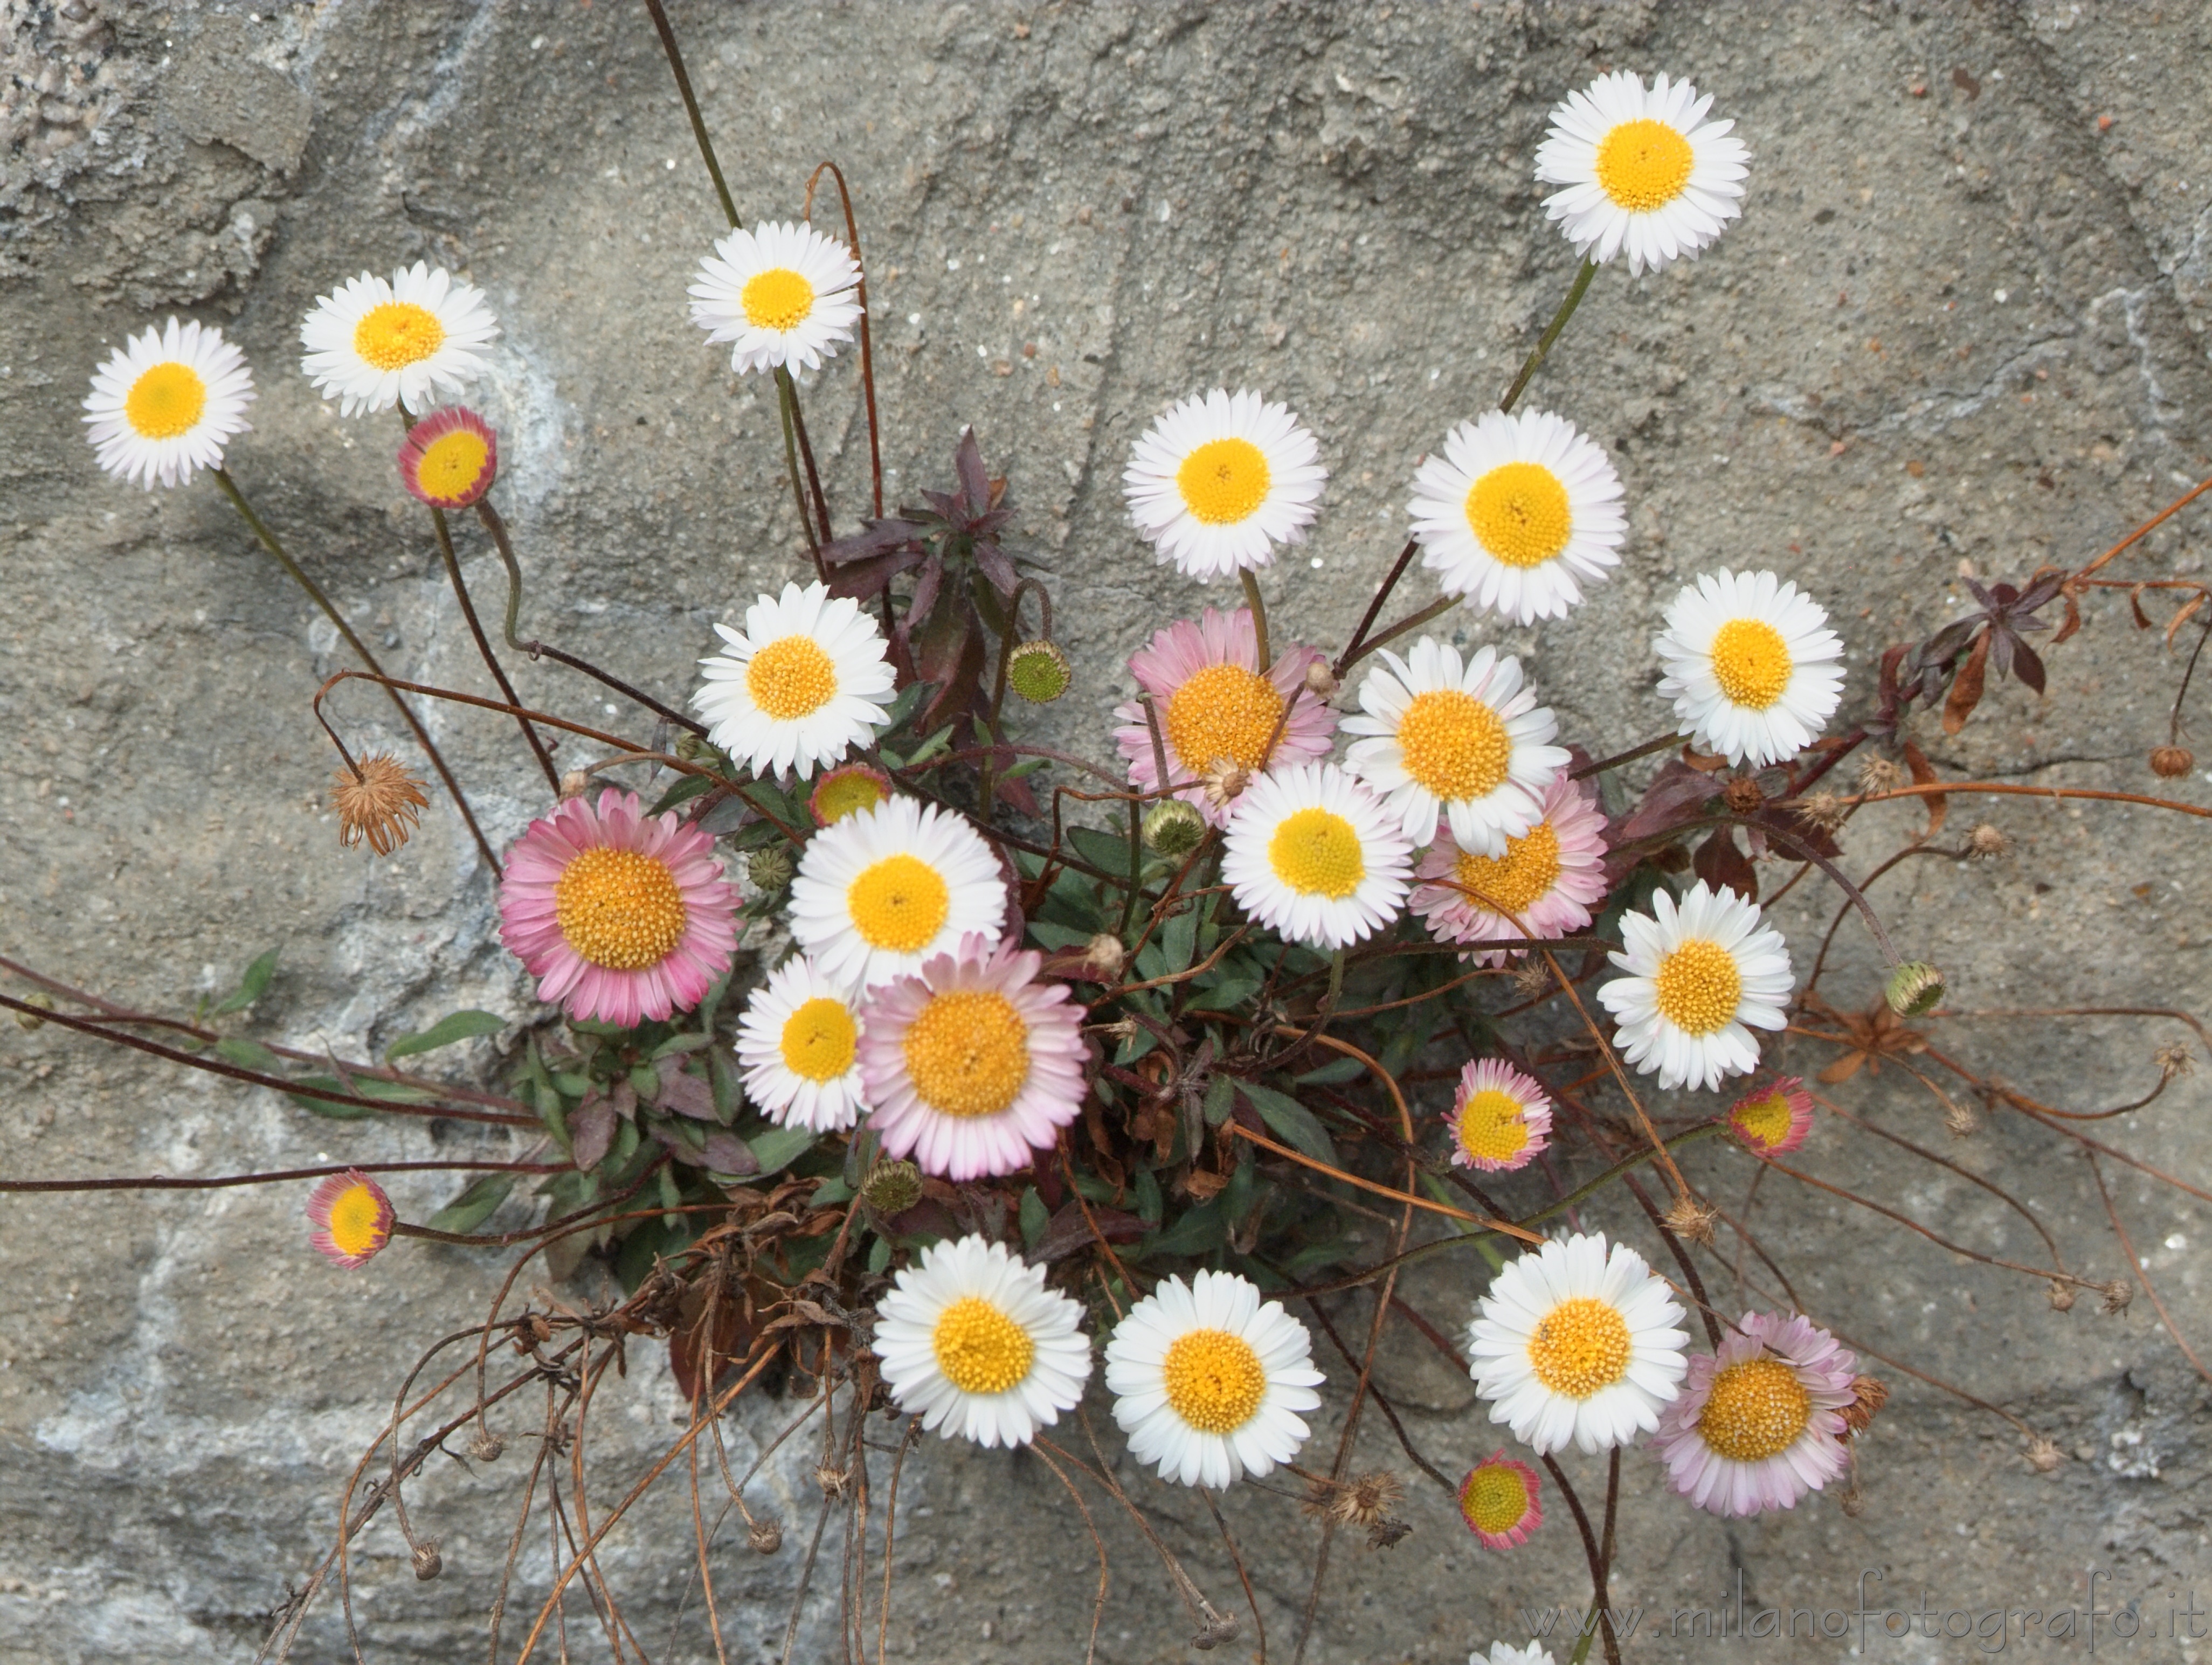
(1958, 328)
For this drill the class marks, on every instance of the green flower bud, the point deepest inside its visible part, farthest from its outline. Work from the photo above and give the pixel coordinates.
(1173, 828)
(892, 1188)
(1916, 988)
(769, 869)
(1039, 672)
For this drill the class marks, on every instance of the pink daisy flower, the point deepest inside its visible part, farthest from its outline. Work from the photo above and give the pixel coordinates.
(1759, 1423)
(449, 457)
(972, 1064)
(1774, 1119)
(352, 1218)
(1217, 709)
(620, 916)
(1499, 1503)
(1500, 1117)
(1551, 879)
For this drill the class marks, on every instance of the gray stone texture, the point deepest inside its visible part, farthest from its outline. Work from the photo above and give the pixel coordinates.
(1958, 330)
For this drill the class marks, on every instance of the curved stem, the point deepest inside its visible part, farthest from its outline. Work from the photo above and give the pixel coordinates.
(867, 361)
(1551, 334)
(691, 108)
(786, 402)
(484, 646)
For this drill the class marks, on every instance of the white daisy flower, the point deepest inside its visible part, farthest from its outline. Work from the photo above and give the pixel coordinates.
(1208, 1382)
(166, 402)
(1698, 974)
(1517, 513)
(1467, 742)
(804, 682)
(1574, 1344)
(372, 344)
(1645, 173)
(799, 1042)
(1218, 481)
(881, 890)
(1751, 665)
(973, 1343)
(1314, 856)
(1504, 1653)
(780, 295)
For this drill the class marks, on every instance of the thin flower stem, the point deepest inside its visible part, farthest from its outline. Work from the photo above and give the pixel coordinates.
(1937, 788)
(2136, 1268)
(806, 460)
(1443, 604)
(166, 1183)
(1664, 742)
(1246, 577)
(1551, 334)
(484, 646)
(787, 400)
(1592, 1554)
(2146, 528)
(1675, 1180)
(1375, 605)
(867, 348)
(691, 109)
(330, 611)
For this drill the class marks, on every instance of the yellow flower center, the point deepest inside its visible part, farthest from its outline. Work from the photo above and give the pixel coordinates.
(1698, 987)
(452, 463)
(791, 677)
(1765, 1122)
(1490, 1126)
(1750, 661)
(1643, 165)
(1222, 481)
(968, 1052)
(840, 795)
(778, 299)
(1581, 1345)
(1222, 711)
(165, 401)
(1518, 511)
(620, 909)
(898, 903)
(397, 333)
(980, 1348)
(1214, 1380)
(1494, 1498)
(357, 1221)
(1454, 745)
(1518, 880)
(818, 1040)
(1756, 1410)
(1316, 853)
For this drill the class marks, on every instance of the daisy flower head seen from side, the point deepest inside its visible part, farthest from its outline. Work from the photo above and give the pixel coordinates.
(1218, 706)
(805, 682)
(1504, 1653)
(847, 790)
(1314, 856)
(783, 296)
(1701, 975)
(619, 915)
(449, 459)
(1760, 1422)
(972, 1063)
(1773, 1120)
(1209, 1382)
(880, 890)
(166, 403)
(1646, 175)
(1500, 1117)
(1751, 665)
(798, 1042)
(974, 1344)
(1549, 882)
(1517, 513)
(371, 345)
(1578, 1343)
(1500, 1501)
(352, 1218)
(1463, 742)
(1222, 478)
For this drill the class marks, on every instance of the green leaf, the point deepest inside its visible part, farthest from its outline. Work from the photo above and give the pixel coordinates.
(1148, 1196)
(323, 1106)
(879, 1255)
(903, 707)
(1059, 937)
(1102, 849)
(779, 1147)
(455, 1026)
(1220, 1100)
(251, 987)
(1033, 1217)
(248, 1055)
(1178, 936)
(940, 741)
(1200, 1230)
(1290, 1121)
(473, 1206)
(1340, 1069)
(686, 788)
(833, 1189)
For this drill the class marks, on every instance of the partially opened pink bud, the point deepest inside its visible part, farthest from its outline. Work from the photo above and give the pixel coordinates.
(352, 1217)
(449, 457)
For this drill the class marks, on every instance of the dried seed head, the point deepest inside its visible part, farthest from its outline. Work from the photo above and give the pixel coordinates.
(41, 999)
(1691, 1219)
(2175, 1060)
(573, 784)
(1742, 795)
(2062, 1296)
(1879, 774)
(2043, 1454)
(1958, 1119)
(2172, 762)
(766, 1536)
(1384, 1533)
(1103, 956)
(1823, 810)
(427, 1563)
(1533, 979)
(1120, 1029)
(1039, 672)
(1987, 844)
(1916, 988)
(769, 869)
(2119, 1295)
(1868, 1395)
(1853, 1501)
(1321, 682)
(1173, 828)
(1366, 1500)
(832, 1479)
(381, 803)
(892, 1188)
(1226, 782)
(485, 1446)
